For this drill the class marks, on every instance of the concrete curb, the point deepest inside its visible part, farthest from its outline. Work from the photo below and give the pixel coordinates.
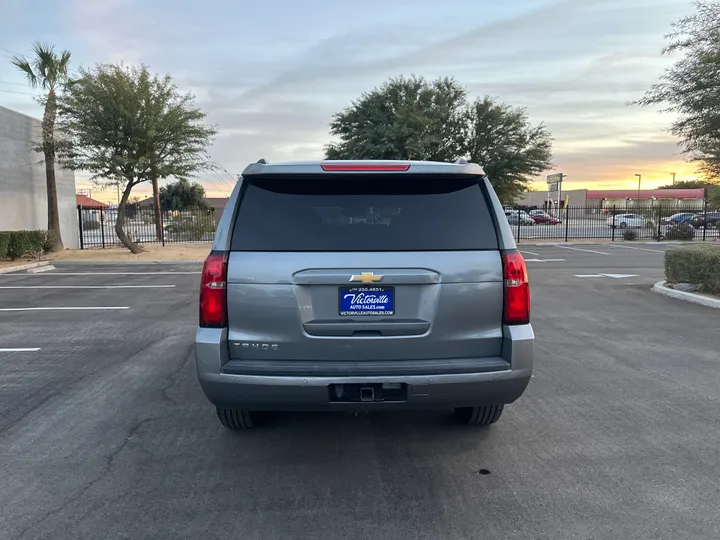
(41, 269)
(696, 298)
(19, 267)
(125, 263)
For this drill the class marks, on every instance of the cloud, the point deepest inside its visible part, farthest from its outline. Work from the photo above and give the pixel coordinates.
(271, 84)
(574, 64)
(113, 29)
(322, 64)
(620, 162)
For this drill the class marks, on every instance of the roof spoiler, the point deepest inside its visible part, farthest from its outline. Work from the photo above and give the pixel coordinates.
(459, 166)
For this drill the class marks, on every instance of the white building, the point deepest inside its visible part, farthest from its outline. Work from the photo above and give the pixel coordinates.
(23, 192)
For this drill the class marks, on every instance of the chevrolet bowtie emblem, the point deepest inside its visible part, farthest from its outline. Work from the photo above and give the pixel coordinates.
(366, 277)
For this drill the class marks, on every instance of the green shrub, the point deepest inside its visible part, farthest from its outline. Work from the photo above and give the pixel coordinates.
(36, 241)
(17, 244)
(4, 241)
(91, 225)
(629, 234)
(49, 241)
(697, 264)
(680, 231)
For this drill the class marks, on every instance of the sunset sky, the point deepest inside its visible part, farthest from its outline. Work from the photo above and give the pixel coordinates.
(270, 74)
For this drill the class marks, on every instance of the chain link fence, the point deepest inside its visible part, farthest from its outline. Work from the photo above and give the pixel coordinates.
(97, 225)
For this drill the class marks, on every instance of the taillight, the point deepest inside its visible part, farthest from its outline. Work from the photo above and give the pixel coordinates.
(213, 291)
(516, 289)
(348, 167)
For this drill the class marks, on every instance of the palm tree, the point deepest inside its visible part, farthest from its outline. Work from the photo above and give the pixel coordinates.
(48, 70)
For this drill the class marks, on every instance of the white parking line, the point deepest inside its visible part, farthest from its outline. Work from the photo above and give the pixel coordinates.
(614, 276)
(544, 260)
(87, 287)
(56, 274)
(640, 249)
(35, 349)
(65, 308)
(529, 252)
(586, 250)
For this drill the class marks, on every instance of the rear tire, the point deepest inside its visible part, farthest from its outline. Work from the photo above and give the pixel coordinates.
(479, 416)
(236, 419)
(623, 225)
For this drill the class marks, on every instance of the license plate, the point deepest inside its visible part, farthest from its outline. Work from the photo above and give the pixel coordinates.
(367, 301)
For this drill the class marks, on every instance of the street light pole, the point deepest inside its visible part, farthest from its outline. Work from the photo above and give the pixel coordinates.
(562, 177)
(639, 180)
(673, 175)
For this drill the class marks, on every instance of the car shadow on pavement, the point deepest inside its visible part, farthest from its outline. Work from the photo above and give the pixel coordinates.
(312, 435)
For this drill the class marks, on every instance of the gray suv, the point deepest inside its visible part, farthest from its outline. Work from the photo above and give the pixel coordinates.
(363, 286)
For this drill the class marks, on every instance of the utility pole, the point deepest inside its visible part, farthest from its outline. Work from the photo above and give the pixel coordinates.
(639, 176)
(562, 176)
(555, 181)
(673, 175)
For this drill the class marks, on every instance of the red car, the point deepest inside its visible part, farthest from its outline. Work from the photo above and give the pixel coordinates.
(541, 217)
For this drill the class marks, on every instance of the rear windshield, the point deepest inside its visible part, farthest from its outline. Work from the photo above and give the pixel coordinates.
(357, 213)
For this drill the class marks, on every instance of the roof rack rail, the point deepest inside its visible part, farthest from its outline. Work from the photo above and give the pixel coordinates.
(262, 161)
(461, 161)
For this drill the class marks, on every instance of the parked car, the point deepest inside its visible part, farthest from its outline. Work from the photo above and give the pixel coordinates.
(700, 220)
(539, 216)
(680, 217)
(623, 221)
(515, 216)
(328, 288)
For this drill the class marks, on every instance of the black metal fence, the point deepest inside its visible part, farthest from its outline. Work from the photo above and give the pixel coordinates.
(97, 225)
(617, 223)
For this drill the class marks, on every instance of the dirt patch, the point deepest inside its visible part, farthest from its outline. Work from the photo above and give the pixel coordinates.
(173, 252)
(18, 262)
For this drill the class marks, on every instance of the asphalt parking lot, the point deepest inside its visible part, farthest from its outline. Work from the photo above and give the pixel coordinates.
(104, 432)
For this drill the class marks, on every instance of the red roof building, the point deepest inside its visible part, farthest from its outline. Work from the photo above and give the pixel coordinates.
(87, 202)
(606, 198)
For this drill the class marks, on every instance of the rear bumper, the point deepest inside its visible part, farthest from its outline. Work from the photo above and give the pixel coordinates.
(498, 380)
